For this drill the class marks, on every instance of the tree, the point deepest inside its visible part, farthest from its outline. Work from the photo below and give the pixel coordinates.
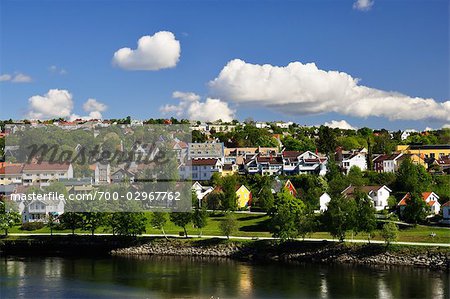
(412, 178)
(130, 223)
(286, 216)
(51, 222)
(389, 232)
(365, 215)
(265, 199)
(229, 184)
(327, 140)
(228, 225)
(340, 216)
(7, 218)
(416, 209)
(307, 224)
(92, 221)
(158, 220)
(181, 219)
(199, 218)
(355, 176)
(71, 220)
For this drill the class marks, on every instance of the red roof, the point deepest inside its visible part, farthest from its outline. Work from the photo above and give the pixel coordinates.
(447, 204)
(203, 162)
(425, 195)
(46, 166)
(291, 154)
(11, 169)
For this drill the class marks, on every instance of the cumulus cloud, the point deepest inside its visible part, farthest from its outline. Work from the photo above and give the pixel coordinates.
(446, 126)
(55, 103)
(16, 78)
(341, 124)
(363, 5)
(155, 52)
(192, 107)
(92, 105)
(301, 89)
(58, 103)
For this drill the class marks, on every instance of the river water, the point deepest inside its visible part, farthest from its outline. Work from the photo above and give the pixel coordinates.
(172, 277)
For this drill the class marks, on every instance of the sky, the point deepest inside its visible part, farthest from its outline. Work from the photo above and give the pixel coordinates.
(356, 63)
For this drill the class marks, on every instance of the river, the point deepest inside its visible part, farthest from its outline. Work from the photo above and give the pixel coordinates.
(173, 277)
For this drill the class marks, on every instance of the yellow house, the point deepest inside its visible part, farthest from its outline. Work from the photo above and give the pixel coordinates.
(243, 196)
(229, 169)
(435, 151)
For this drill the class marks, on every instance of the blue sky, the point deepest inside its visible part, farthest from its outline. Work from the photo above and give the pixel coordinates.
(400, 46)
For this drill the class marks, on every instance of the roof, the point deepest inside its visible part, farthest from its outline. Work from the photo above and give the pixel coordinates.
(425, 195)
(429, 146)
(11, 169)
(203, 162)
(447, 204)
(46, 166)
(271, 160)
(291, 154)
(366, 189)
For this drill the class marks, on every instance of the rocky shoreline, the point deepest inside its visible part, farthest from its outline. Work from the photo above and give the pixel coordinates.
(320, 252)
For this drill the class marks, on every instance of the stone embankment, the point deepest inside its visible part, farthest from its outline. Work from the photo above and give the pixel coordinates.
(319, 253)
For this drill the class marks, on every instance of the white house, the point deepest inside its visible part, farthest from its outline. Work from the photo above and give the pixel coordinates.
(407, 133)
(378, 194)
(356, 159)
(324, 199)
(200, 169)
(38, 210)
(295, 162)
(431, 199)
(102, 173)
(45, 172)
(201, 191)
(11, 174)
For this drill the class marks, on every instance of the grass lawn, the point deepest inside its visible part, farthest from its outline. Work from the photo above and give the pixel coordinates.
(251, 225)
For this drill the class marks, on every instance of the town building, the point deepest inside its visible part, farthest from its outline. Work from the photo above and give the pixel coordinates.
(378, 194)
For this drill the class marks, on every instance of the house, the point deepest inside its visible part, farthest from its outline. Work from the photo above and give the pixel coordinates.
(446, 212)
(348, 159)
(45, 172)
(237, 155)
(295, 162)
(407, 133)
(11, 174)
(200, 169)
(38, 210)
(78, 185)
(271, 165)
(324, 199)
(435, 151)
(201, 191)
(205, 150)
(243, 196)
(278, 185)
(122, 175)
(378, 194)
(102, 173)
(431, 199)
(229, 169)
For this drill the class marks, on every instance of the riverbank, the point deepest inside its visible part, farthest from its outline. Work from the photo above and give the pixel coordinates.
(246, 250)
(296, 251)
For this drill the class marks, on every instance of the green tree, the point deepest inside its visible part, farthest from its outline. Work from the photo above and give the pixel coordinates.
(286, 216)
(71, 220)
(340, 216)
(158, 220)
(389, 232)
(200, 218)
(416, 209)
(51, 221)
(265, 199)
(130, 223)
(308, 224)
(412, 178)
(8, 218)
(92, 221)
(365, 220)
(228, 225)
(181, 219)
(327, 140)
(229, 184)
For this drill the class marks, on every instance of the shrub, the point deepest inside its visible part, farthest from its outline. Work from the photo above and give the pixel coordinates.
(30, 226)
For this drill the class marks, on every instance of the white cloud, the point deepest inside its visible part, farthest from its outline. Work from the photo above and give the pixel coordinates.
(342, 124)
(187, 96)
(16, 78)
(57, 70)
(92, 105)
(363, 5)
(58, 103)
(446, 126)
(192, 107)
(300, 89)
(55, 103)
(5, 77)
(155, 52)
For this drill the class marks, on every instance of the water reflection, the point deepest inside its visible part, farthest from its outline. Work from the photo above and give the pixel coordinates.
(168, 277)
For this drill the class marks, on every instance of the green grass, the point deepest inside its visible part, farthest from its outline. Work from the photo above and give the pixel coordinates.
(251, 225)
